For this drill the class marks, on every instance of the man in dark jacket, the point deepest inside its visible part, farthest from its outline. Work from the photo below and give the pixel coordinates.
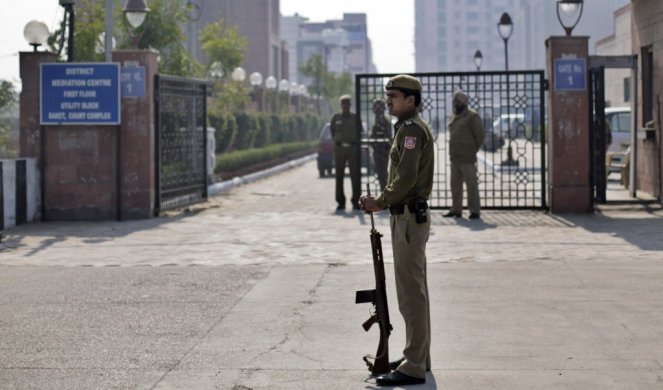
(344, 133)
(466, 137)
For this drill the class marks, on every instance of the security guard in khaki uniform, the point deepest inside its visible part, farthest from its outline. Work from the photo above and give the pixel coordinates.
(466, 137)
(409, 185)
(381, 132)
(343, 126)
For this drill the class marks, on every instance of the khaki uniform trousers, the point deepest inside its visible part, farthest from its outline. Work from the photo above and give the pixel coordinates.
(464, 172)
(346, 155)
(409, 245)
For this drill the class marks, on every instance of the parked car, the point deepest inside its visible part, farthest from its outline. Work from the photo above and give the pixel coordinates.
(510, 126)
(492, 141)
(325, 151)
(620, 121)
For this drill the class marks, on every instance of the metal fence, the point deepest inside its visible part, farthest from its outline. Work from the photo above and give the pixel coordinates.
(181, 142)
(511, 164)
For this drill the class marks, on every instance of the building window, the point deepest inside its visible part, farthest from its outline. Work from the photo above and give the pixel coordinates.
(647, 84)
(275, 62)
(627, 89)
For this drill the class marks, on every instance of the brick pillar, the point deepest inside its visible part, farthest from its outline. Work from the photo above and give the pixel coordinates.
(568, 134)
(137, 140)
(29, 63)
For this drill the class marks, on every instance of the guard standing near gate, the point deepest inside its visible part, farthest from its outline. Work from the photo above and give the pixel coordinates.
(466, 137)
(343, 126)
(409, 185)
(381, 133)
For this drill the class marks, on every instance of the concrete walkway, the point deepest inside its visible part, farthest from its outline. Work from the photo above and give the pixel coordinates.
(255, 290)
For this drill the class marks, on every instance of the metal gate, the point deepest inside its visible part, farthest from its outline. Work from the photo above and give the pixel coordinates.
(511, 163)
(597, 135)
(181, 142)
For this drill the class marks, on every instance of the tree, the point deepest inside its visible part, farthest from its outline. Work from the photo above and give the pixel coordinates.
(161, 31)
(223, 44)
(7, 102)
(324, 83)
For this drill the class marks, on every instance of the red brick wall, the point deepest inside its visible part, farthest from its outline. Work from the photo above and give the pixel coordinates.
(80, 172)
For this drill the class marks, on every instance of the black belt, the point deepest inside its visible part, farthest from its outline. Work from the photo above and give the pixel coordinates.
(397, 209)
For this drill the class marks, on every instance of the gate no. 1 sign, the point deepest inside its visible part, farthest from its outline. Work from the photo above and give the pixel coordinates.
(80, 94)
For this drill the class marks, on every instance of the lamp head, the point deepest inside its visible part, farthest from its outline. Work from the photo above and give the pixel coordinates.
(505, 26)
(569, 13)
(478, 58)
(36, 33)
(135, 12)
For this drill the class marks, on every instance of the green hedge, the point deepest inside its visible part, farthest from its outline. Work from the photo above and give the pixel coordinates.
(233, 161)
(247, 130)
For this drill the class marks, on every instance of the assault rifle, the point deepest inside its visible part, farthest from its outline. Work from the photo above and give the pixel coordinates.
(378, 297)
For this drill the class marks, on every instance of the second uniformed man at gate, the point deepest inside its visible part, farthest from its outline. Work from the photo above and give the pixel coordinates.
(343, 126)
(465, 138)
(409, 184)
(381, 133)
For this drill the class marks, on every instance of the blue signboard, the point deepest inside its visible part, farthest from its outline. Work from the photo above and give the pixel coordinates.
(570, 74)
(80, 94)
(133, 81)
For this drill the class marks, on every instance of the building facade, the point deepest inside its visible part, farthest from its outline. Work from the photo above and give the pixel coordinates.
(258, 21)
(448, 33)
(343, 44)
(618, 81)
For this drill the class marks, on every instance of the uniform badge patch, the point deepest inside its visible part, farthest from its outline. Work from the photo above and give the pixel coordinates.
(410, 142)
(390, 83)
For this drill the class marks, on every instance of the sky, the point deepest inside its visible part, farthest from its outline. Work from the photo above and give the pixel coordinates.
(390, 28)
(12, 21)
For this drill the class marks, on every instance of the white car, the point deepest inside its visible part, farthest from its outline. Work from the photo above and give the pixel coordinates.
(620, 121)
(510, 126)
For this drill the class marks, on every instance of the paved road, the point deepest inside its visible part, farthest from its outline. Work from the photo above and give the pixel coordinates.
(255, 290)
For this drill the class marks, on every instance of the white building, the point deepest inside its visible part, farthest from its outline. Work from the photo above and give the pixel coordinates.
(618, 81)
(343, 44)
(447, 33)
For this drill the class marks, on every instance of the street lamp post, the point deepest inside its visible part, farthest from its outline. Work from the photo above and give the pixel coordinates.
(68, 6)
(135, 12)
(478, 59)
(256, 82)
(572, 10)
(505, 28)
(270, 84)
(284, 85)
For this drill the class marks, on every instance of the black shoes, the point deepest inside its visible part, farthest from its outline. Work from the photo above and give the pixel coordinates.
(394, 365)
(450, 214)
(475, 216)
(340, 207)
(397, 378)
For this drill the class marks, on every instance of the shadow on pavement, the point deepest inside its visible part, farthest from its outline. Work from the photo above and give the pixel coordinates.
(640, 225)
(430, 384)
(91, 232)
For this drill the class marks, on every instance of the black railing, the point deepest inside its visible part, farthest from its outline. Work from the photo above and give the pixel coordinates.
(511, 164)
(181, 142)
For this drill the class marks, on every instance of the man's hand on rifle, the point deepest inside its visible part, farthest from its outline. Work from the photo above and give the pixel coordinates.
(368, 204)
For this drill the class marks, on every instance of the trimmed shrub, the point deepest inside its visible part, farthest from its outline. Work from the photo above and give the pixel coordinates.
(233, 161)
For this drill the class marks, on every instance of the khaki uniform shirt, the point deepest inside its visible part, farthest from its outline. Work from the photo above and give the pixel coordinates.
(343, 127)
(466, 136)
(411, 162)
